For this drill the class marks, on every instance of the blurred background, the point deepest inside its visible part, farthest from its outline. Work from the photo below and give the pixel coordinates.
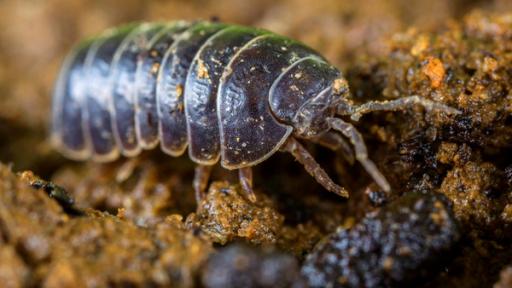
(35, 36)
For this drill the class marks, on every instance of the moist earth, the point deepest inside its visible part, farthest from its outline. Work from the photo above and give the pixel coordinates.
(134, 222)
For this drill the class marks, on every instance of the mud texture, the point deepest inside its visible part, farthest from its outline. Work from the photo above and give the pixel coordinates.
(135, 223)
(388, 248)
(43, 246)
(244, 266)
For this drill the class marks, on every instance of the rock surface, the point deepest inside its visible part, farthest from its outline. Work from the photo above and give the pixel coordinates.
(400, 243)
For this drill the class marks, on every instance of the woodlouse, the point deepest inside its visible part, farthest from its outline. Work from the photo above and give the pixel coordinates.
(228, 92)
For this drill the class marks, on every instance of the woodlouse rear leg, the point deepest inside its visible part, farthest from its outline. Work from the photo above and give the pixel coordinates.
(361, 153)
(126, 170)
(356, 112)
(335, 142)
(245, 176)
(312, 167)
(201, 177)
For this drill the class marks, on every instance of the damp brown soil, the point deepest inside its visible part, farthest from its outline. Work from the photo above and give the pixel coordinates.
(447, 221)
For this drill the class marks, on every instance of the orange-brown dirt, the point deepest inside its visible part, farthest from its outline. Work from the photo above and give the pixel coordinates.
(136, 223)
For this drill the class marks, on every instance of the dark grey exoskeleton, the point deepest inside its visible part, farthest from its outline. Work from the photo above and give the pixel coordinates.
(227, 92)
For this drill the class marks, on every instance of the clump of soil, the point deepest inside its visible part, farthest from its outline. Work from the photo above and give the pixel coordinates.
(226, 214)
(44, 245)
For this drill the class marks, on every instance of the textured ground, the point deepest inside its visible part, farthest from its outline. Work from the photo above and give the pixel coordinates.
(136, 223)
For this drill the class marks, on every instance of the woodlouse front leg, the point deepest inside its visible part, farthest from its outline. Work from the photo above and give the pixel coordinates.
(201, 177)
(356, 112)
(312, 167)
(355, 137)
(245, 176)
(335, 142)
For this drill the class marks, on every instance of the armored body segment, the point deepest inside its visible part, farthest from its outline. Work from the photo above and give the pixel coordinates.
(124, 87)
(249, 133)
(67, 131)
(201, 91)
(171, 85)
(98, 97)
(146, 115)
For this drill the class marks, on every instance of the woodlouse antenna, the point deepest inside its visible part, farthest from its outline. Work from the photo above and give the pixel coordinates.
(346, 108)
(349, 131)
(355, 112)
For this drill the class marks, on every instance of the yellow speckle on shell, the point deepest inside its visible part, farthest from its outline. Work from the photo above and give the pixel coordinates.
(339, 85)
(202, 71)
(154, 68)
(179, 90)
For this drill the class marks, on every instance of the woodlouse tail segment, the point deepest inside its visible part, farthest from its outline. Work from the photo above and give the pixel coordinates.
(356, 112)
(312, 167)
(361, 153)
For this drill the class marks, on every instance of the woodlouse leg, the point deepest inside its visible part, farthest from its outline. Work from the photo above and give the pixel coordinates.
(394, 105)
(245, 176)
(312, 167)
(355, 137)
(126, 170)
(335, 142)
(201, 177)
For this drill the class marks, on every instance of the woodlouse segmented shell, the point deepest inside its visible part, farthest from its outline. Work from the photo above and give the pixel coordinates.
(203, 85)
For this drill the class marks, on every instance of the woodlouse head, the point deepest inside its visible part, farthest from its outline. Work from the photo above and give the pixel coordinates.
(311, 118)
(306, 94)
